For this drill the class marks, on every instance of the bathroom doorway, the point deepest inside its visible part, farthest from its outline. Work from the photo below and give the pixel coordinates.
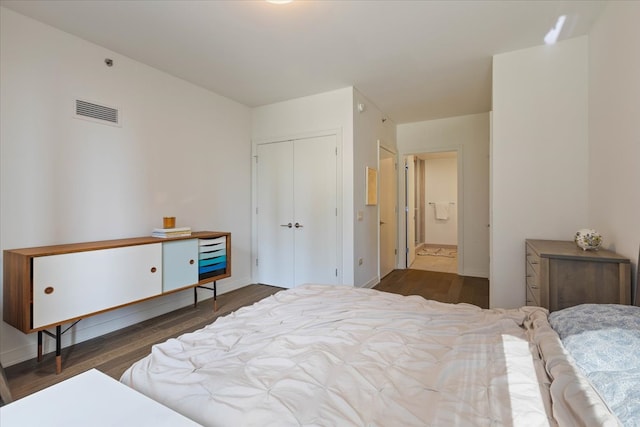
(431, 184)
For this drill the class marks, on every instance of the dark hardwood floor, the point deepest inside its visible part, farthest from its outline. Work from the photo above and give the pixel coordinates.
(443, 287)
(113, 353)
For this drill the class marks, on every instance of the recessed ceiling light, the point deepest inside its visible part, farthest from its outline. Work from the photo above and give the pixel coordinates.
(279, 1)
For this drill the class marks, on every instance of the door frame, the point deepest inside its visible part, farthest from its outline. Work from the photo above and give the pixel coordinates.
(402, 196)
(409, 207)
(337, 133)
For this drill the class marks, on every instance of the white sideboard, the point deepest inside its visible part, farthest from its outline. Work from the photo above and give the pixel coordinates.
(49, 286)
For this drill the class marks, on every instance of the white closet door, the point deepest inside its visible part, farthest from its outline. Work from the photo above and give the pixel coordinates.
(296, 184)
(275, 213)
(315, 210)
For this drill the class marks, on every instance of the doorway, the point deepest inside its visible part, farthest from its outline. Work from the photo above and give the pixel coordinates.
(432, 211)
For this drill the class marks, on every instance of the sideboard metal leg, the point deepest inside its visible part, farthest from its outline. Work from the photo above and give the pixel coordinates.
(215, 294)
(58, 337)
(58, 349)
(39, 346)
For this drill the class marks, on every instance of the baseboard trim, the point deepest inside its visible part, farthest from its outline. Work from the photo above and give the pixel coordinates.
(371, 283)
(467, 273)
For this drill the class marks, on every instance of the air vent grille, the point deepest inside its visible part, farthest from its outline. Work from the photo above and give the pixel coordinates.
(96, 112)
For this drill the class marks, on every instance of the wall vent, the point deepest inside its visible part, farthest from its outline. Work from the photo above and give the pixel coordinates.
(97, 113)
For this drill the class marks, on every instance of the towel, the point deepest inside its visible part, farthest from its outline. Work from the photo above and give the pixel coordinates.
(442, 210)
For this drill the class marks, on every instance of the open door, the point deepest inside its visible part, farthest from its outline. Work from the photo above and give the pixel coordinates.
(388, 200)
(410, 208)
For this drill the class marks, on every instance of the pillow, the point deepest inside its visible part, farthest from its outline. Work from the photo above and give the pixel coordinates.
(604, 341)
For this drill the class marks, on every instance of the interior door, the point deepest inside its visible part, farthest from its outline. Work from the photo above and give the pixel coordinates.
(388, 218)
(315, 210)
(297, 216)
(410, 177)
(275, 214)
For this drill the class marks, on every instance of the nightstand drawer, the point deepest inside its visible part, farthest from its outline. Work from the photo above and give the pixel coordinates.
(533, 288)
(533, 273)
(533, 261)
(531, 297)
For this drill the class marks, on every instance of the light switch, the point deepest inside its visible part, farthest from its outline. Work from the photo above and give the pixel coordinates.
(360, 215)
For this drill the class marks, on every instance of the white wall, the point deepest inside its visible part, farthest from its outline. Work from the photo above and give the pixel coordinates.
(469, 136)
(539, 157)
(441, 185)
(369, 128)
(358, 134)
(181, 151)
(311, 115)
(614, 135)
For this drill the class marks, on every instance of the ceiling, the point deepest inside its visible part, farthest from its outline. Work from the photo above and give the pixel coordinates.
(415, 60)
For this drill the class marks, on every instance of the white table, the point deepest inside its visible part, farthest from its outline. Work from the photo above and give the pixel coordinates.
(89, 399)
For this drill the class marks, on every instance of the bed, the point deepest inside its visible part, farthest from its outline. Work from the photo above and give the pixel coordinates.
(322, 355)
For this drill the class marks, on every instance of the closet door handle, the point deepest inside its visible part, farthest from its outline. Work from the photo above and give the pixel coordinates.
(298, 225)
(287, 225)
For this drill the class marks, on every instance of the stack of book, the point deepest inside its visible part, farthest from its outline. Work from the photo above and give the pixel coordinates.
(171, 232)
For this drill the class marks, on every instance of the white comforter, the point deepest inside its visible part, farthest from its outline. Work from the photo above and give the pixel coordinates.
(338, 356)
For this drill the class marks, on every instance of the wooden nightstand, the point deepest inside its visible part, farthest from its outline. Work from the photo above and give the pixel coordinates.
(559, 274)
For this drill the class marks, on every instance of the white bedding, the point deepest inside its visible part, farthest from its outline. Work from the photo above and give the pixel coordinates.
(338, 356)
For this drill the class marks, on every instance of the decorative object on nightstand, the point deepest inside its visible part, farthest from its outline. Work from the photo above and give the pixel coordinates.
(559, 274)
(588, 239)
